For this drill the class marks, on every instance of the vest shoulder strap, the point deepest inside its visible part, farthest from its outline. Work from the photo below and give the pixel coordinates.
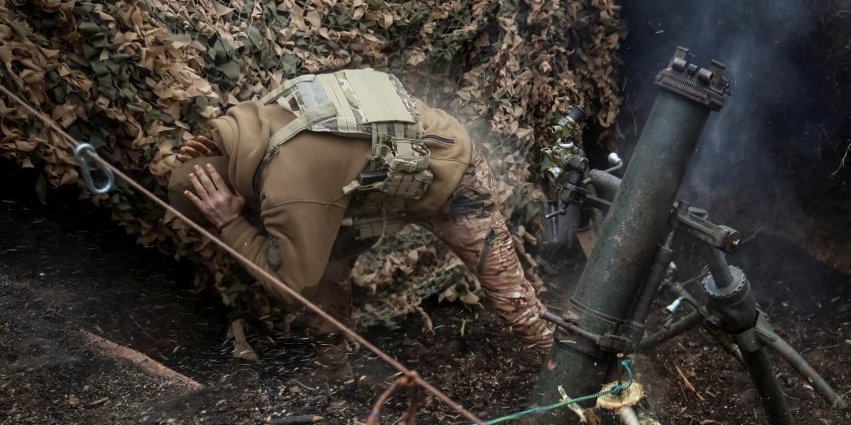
(299, 124)
(285, 86)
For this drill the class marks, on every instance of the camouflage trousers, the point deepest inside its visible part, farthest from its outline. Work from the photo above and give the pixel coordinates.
(472, 226)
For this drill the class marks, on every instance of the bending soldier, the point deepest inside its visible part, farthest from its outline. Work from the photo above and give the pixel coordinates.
(333, 160)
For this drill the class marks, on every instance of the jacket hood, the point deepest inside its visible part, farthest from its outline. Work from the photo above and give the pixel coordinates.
(243, 135)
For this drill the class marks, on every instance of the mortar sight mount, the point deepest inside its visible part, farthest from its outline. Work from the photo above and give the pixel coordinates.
(567, 168)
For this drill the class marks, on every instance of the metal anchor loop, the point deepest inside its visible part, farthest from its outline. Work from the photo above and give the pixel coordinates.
(86, 169)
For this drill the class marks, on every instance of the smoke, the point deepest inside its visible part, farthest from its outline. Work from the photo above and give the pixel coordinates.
(780, 134)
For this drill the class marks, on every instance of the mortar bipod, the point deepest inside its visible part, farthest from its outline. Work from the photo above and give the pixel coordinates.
(632, 246)
(731, 309)
(718, 238)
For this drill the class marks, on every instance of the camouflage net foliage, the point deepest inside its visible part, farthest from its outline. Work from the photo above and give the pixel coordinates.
(138, 78)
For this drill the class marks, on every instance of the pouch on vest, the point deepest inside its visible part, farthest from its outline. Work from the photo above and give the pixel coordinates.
(399, 168)
(371, 227)
(372, 215)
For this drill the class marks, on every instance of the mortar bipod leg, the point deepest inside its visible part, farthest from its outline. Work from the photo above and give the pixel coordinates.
(767, 336)
(698, 316)
(773, 400)
(731, 300)
(725, 341)
(681, 326)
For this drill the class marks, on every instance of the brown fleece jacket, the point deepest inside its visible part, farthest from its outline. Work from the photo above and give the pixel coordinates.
(300, 194)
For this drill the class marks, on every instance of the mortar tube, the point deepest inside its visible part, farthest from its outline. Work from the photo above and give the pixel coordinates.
(625, 250)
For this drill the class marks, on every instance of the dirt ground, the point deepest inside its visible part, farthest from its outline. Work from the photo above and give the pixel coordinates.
(62, 272)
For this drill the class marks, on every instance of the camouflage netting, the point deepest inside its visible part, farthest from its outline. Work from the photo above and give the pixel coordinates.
(137, 78)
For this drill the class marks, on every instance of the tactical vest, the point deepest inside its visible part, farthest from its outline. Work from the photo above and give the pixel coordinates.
(362, 103)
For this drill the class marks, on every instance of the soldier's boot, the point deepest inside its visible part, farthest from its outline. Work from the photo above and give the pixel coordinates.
(330, 370)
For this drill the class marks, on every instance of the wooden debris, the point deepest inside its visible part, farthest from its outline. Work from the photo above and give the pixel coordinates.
(108, 348)
(687, 383)
(296, 419)
(628, 397)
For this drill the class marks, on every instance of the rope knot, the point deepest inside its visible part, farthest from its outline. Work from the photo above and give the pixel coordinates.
(408, 379)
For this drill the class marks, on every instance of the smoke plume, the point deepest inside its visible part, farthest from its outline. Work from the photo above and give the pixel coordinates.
(772, 149)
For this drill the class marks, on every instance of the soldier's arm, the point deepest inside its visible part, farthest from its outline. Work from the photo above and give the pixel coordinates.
(262, 249)
(293, 244)
(223, 208)
(198, 146)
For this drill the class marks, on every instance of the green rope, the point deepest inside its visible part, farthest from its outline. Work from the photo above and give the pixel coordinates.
(614, 390)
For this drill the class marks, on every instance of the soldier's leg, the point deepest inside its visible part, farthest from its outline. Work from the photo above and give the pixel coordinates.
(333, 294)
(472, 226)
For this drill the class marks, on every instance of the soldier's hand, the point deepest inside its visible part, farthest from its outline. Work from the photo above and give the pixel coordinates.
(214, 199)
(198, 146)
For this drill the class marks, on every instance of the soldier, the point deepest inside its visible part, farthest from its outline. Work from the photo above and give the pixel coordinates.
(333, 161)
